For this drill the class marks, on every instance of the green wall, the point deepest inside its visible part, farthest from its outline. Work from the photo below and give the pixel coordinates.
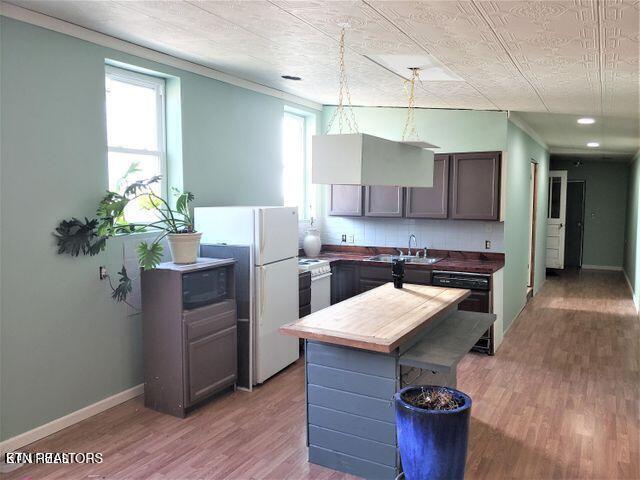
(605, 208)
(451, 130)
(521, 151)
(631, 258)
(64, 344)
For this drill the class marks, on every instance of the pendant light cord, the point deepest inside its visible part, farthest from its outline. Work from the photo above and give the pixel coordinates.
(346, 116)
(410, 131)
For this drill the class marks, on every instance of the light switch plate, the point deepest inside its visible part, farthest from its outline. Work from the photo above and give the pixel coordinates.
(350, 239)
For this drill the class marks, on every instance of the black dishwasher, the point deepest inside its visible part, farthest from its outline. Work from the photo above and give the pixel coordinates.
(478, 301)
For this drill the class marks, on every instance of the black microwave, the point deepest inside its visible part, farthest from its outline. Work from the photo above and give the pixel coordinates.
(204, 287)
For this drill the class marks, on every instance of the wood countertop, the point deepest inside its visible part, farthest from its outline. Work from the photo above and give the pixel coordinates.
(380, 319)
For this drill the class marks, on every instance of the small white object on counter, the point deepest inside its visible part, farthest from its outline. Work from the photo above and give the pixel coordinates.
(311, 242)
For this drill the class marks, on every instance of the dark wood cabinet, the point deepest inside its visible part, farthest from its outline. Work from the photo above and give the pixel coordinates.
(383, 201)
(189, 354)
(304, 294)
(466, 186)
(475, 186)
(219, 349)
(345, 200)
(366, 284)
(431, 202)
(344, 282)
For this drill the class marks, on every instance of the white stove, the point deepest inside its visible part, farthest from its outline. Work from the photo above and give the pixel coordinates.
(315, 266)
(320, 281)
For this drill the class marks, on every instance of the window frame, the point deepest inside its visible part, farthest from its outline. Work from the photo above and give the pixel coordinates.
(308, 125)
(159, 85)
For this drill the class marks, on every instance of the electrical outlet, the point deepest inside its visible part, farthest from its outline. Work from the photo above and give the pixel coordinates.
(102, 272)
(350, 239)
(487, 244)
(344, 237)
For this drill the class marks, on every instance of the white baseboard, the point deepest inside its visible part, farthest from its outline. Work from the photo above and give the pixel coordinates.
(14, 443)
(602, 267)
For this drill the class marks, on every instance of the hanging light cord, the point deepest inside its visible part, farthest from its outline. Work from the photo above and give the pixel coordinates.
(345, 119)
(410, 131)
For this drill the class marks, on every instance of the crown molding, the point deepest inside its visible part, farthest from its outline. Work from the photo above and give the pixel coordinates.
(519, 122)
(50, 23)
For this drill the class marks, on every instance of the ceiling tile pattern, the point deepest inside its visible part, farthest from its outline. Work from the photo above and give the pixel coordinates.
(571, 57)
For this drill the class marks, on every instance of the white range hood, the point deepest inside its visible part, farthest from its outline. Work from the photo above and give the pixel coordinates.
(361, 159)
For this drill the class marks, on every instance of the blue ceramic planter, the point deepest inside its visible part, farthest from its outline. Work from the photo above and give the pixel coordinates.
(433, 443)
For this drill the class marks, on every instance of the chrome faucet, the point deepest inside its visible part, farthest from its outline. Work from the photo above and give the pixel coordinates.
(415, 243)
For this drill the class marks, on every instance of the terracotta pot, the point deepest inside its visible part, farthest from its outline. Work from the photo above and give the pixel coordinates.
(184, 246)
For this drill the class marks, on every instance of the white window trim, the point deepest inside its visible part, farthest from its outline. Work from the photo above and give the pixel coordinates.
(308, 125)
(158, 84)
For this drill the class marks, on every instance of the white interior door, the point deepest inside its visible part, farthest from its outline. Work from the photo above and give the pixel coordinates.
(276, 305)
(556, 217)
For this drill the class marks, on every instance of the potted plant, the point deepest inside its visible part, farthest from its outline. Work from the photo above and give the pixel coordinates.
(433, 427)
(89, 237)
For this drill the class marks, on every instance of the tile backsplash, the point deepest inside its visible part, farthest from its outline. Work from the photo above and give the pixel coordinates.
(467, 235)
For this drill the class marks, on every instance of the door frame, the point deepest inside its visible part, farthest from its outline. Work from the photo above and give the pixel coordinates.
(584, 201)
(532, 226)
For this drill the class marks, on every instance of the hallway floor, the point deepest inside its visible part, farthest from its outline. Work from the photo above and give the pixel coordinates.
(558, 400)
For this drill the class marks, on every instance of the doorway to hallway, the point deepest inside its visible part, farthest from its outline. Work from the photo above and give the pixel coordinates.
(574, 234)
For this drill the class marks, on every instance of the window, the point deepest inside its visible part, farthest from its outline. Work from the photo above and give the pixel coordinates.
(135, 133)
(296, 179)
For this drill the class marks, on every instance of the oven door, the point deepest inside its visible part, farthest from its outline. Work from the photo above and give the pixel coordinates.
(320, 292)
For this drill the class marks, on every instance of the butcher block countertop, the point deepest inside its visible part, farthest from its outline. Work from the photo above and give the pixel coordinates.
(380, 319)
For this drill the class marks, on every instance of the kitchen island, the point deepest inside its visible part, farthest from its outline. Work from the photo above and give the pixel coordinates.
(359, 352)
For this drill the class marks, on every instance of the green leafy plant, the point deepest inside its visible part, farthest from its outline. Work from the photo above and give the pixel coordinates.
(89, 236)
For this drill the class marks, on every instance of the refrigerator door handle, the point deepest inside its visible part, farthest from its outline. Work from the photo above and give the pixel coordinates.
(262, 291)
(262, 237)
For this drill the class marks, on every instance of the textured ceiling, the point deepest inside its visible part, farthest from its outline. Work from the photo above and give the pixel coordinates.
(577, 57)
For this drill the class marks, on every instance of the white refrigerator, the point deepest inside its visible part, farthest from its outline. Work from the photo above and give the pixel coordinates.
(272, 233)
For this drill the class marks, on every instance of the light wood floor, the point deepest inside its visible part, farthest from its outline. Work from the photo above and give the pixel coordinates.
(559, 400)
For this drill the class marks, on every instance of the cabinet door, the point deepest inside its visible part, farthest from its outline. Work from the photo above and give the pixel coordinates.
(212, 363)
(345, 200)
(367, 284)
(475, 186)
(431, 202)
(382, 201)
(344, 282)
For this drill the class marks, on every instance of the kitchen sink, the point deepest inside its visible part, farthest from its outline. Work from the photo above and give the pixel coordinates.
(407, 258)
(425, 260)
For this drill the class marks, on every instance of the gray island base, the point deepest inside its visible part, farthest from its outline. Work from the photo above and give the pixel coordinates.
(350, 412)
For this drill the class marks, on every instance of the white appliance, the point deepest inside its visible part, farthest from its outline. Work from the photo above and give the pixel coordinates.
(320, 281)
(272, 233)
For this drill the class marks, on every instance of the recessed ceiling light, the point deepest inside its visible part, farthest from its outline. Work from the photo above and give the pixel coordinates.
(291, 77)
(586, 121)
(593, 144)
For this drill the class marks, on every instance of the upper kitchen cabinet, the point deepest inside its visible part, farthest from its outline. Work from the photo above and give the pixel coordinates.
(345, 200)
(475, 186)
(383, 201)
(431, 202)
